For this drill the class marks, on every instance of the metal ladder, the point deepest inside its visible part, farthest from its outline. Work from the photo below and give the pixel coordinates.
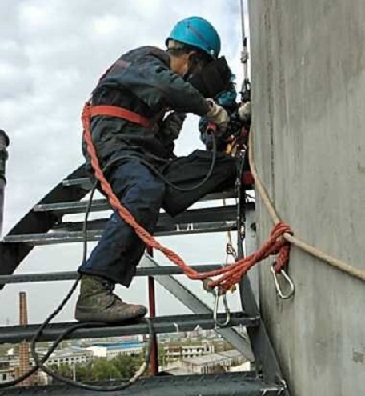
(44, 224)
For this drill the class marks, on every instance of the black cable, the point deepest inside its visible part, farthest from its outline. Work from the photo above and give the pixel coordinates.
(239, 184)
(39, 332)
(57, 310)
(241, 213)
(39, 363)
(100, 388)
(163, 178)
(67, 297)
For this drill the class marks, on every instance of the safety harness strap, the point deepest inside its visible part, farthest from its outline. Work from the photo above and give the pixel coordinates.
(120, 112)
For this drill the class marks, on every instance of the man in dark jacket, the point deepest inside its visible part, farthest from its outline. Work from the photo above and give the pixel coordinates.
(149, 82)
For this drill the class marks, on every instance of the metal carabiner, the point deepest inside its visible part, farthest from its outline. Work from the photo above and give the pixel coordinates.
(218, 295)
(284, 385)
(277, 285)
(230, 251)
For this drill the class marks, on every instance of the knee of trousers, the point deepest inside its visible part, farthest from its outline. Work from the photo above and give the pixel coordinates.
(144, 200)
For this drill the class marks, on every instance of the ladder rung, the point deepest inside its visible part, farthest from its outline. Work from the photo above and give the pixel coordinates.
(162, 324)
(55, 237)
(80, 206)
(217, 213)
(204, 216)
(72, 275)
(102, 204)
(73, 207)
(84, 182)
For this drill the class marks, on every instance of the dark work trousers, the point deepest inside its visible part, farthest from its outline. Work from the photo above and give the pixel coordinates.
(143, 193)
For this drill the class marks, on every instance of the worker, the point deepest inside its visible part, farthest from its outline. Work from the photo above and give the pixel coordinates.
(149, 82)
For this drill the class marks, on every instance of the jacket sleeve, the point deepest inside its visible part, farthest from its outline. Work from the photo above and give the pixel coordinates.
(177, 93)
(150, 79)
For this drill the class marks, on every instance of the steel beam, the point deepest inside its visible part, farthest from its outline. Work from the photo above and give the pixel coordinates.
(86, 184)
(102, 204)
(195, 221)
(191, 301)
(162, 324)
(55, 237)
(226, 384)
(266, 359)
(193, 216)
(72, 275)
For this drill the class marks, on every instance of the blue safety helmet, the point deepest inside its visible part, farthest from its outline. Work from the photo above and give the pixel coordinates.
(197, 32)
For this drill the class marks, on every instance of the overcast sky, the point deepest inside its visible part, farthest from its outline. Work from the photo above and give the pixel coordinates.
(51, 55)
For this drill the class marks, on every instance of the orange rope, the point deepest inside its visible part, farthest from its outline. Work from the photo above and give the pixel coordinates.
(225, 277)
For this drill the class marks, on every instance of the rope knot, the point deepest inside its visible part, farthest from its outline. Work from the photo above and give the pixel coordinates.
(280, 229)
(281, 246)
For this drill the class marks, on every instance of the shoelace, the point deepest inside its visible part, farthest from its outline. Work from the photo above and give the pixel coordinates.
(110, 287)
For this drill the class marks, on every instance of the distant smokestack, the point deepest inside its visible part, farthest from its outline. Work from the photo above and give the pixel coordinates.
(24, 361)
(4, 143)
(23, 312)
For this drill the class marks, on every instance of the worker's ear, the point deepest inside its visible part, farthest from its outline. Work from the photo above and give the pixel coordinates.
(213, 78)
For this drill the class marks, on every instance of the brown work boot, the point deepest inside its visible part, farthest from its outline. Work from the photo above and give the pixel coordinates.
(98, 303)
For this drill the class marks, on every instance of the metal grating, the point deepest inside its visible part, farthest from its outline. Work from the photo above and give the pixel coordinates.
(227, 384)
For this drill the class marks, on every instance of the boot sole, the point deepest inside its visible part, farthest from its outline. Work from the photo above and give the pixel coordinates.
(97, 317)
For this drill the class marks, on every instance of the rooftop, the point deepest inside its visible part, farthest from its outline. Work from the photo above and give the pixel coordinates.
(214, 357)
(118, 345)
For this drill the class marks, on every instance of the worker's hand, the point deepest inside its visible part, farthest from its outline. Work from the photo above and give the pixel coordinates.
(172, 124)
(244, 112)
(217, 115)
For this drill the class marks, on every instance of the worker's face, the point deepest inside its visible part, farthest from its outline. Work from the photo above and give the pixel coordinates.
(181, 65)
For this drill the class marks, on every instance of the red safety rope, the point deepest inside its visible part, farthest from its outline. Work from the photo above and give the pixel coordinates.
(225, 277)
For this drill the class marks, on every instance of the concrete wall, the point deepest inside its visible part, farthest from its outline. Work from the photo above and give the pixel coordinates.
(308, 70)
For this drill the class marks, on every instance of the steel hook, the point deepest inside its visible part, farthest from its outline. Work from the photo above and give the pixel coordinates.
(218, 295)
(289, 281)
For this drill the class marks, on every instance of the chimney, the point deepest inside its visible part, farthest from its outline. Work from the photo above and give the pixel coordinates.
(4, 143)
(24, 360)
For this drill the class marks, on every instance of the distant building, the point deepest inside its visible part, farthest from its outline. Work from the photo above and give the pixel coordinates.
(68, 356)
(176, 352)
(6, 375)
(113, 349)
(213, 363)
(7, 366)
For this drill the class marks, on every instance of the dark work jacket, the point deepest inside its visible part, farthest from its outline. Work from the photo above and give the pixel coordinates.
(140, 81)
